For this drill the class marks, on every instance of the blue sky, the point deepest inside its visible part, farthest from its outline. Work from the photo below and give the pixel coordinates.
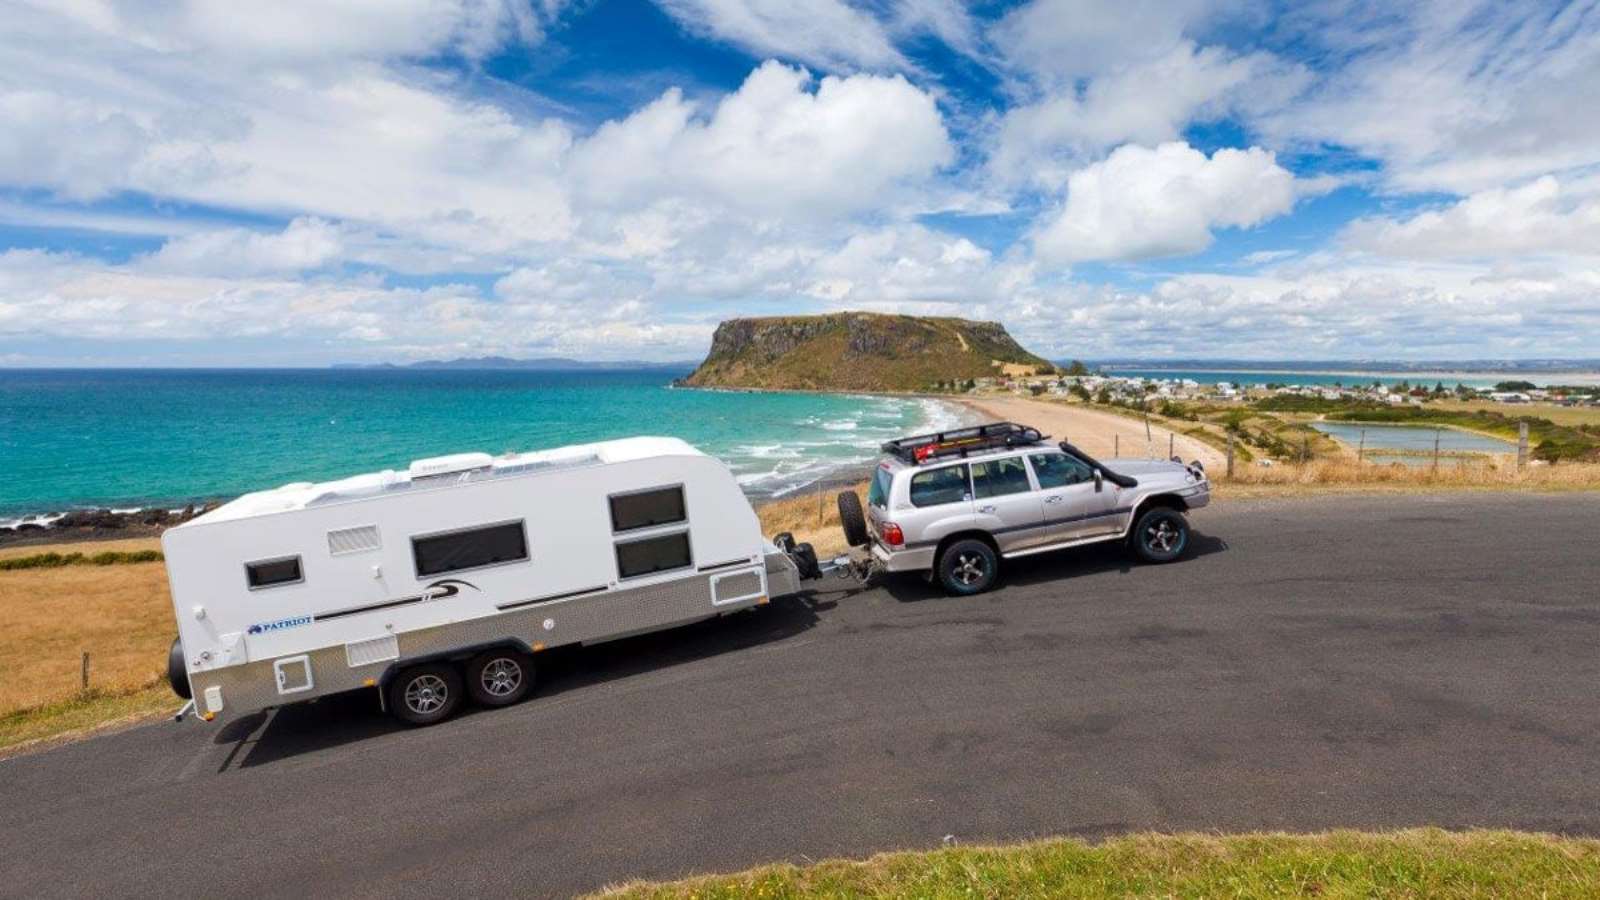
(211, 183)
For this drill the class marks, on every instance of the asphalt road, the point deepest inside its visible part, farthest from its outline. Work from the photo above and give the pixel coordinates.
(1373, 662)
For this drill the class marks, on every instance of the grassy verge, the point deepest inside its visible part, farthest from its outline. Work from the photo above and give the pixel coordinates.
(1412, 863)
(119, 614)
(91, 711)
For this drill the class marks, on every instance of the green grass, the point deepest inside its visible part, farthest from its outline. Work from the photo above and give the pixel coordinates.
(53, 559)
(1341, 864)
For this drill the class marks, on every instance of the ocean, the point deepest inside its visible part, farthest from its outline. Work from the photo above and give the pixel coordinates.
(128, 439)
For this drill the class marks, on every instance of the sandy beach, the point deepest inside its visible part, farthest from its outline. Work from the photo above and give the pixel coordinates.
(1103, 435)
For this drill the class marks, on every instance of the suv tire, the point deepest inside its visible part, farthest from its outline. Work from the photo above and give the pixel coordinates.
(1161, 535)
(852, 519)
(968, 567)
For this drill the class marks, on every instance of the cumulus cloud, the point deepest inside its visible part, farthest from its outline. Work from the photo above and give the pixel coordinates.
(1539, 218)
(1146, 102)
(306, 243)
(773, 146)
(1140, 202)
(826, 33)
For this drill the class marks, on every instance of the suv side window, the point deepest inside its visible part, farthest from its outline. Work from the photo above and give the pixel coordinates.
(936, 486)
(1059, 470)
(998, 477)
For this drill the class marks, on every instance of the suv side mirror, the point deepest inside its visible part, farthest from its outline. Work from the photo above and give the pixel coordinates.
(1099, 481)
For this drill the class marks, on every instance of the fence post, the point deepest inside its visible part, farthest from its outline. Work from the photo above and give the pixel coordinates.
(822, 501)
(1436, 449)
(1230, 454)
(83, 673)
(1116, 445)
(1171, 441)
(1361, 450)
(1305, 450)
(1522, 445)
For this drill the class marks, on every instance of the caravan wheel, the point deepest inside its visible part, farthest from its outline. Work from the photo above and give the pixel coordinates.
(499, 677)
(425, 694)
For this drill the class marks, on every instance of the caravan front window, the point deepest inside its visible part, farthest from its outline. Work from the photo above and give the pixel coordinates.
(470, 548)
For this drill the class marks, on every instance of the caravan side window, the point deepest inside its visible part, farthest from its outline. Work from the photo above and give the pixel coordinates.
(273, 572)
(655, 509)
(470, 548)
(647, 509)
(648, 556)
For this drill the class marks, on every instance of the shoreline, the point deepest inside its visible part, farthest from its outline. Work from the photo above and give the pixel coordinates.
(127, 519)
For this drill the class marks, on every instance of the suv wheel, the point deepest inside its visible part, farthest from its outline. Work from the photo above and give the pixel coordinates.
(968, 567)
(1161, 535)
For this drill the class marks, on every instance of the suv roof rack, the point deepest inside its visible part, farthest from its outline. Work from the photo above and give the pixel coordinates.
(962, 441)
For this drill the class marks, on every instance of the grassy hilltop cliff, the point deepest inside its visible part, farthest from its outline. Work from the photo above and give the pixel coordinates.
(858, 352)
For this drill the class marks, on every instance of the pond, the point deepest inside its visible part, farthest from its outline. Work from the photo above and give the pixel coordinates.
(1413, 439)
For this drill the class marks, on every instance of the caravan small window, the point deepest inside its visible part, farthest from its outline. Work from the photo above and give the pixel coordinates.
(650, 555)
(646, 509)
(273, 572)
(470, 548)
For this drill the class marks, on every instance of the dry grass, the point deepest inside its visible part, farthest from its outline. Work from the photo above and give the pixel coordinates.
(1570, 416)
(120, 614)
(811, 517)
(1346, 474)
(126, 545)
(1414, 863)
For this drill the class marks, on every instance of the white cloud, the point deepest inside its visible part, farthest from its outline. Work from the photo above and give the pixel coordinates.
(826, 33)
(1543, 217)
(1141, 203)
(1450, 95)
(1147, 101)
(1058, 42)
(773, 147)
(304, 244)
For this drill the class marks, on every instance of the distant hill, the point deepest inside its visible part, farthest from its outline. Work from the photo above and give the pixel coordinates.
(543, 364)
(858, 352)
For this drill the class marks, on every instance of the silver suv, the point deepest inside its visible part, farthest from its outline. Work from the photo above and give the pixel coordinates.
(955, 503)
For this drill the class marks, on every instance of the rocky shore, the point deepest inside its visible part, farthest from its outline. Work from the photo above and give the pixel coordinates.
(98, 525)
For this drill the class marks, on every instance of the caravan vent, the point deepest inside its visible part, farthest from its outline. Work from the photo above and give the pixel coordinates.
(364, 653)
(353, 540)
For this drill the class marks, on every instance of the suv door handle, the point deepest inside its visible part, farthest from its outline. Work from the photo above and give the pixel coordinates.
(1054, 498)
(986, 509)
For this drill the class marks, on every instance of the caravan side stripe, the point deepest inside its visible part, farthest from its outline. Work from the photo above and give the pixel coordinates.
(552, 598)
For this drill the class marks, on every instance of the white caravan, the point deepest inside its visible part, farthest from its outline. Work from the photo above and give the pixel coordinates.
(444, 580)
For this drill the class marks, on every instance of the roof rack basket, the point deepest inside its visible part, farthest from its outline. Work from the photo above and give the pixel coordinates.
(961, 441)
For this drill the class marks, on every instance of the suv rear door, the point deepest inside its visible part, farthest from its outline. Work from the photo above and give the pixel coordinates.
(1005, 503)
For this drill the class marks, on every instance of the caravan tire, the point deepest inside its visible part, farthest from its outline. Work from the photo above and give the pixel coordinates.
(178, 670)
(425, 694)
(499, 677)
(852, 519)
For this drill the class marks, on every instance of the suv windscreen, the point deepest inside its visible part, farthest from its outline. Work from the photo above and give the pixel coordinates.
(878, 493)
(998, 477)
(947, 485)
(1059, 470)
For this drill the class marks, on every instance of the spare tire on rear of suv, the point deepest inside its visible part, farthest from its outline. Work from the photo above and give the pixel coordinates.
(852, 519)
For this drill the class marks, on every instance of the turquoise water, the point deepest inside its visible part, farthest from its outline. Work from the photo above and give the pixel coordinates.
(1416, 439)
(131, 438)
